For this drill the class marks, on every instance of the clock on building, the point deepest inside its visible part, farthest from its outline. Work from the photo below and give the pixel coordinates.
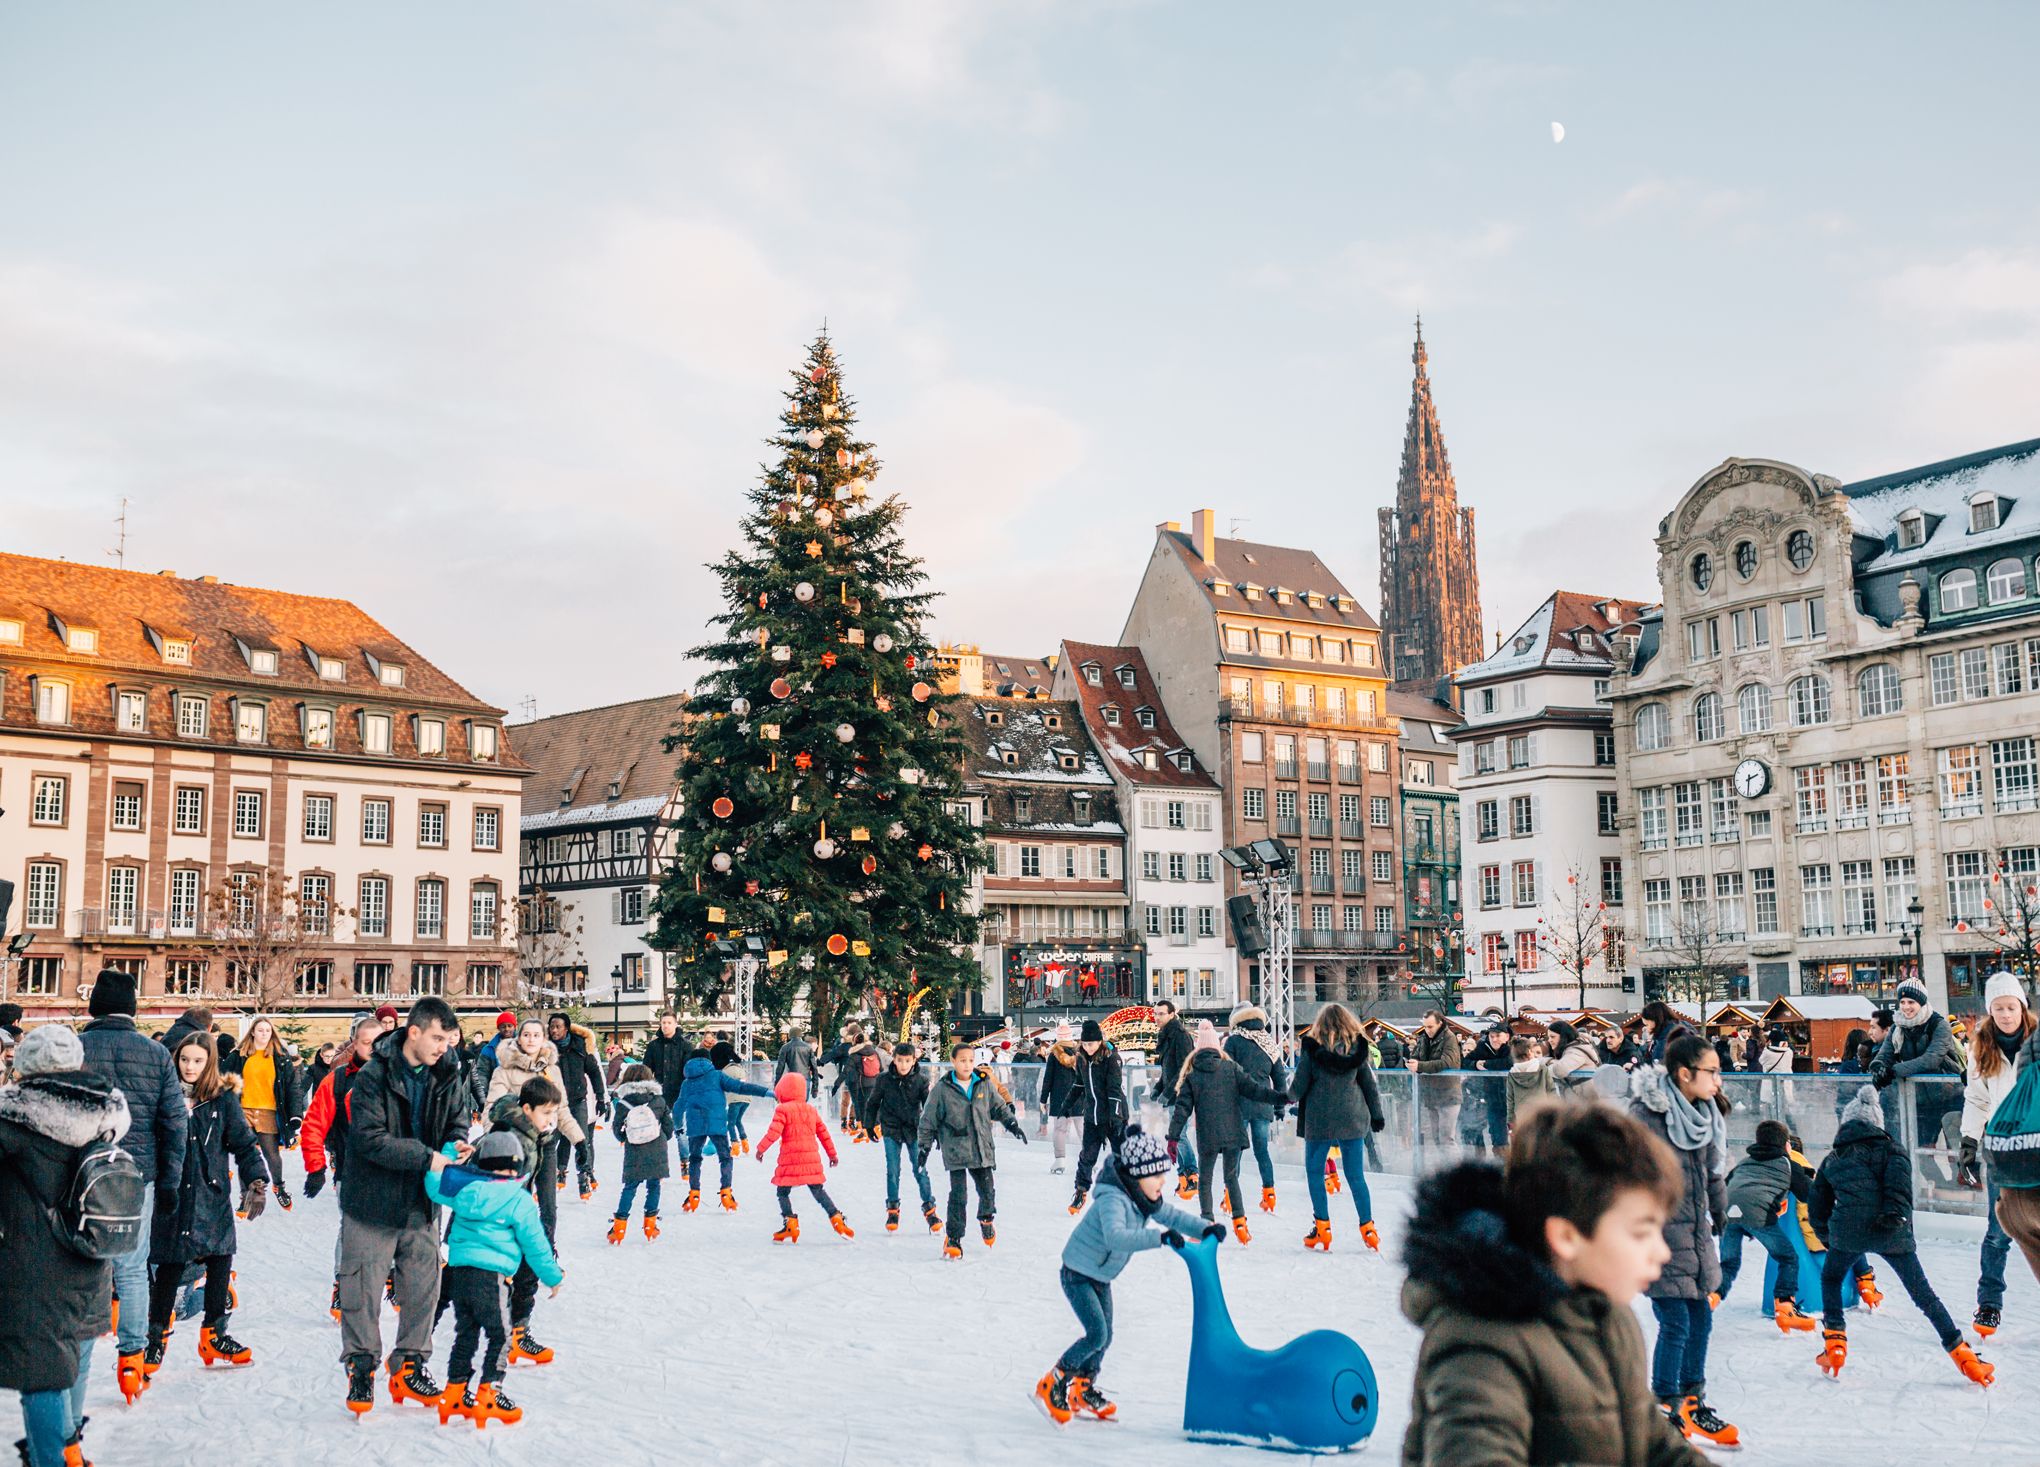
(1752, 778)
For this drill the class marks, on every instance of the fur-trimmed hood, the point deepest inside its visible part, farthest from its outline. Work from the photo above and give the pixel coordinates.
(71, 1109)
(510, 1057)
(1459, 1253)
(629, 1091)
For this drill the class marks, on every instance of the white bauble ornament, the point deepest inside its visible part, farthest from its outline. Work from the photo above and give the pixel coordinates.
(720, 860)
(896, 831)
(879, 643)
(825, 849)
(740, 706)
(816, 437)
(824, 518)
(845, 733)
(804, 592)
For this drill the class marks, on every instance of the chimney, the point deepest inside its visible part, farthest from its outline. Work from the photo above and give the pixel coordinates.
(1201, 535)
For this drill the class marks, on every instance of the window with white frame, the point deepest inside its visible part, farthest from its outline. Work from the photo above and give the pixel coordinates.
(194, 715)
(1901, 886)
(1962, 780)
(248, 814)
(318, 727)
(431, 921)
(127, 806)
(1728, 906)
(482, 912)
(184, 882)
(1523, 879)
(428, 980)
(482, 743)
(187, 809)
(1983, 513)
(1807, 697)
(2005, 581)
(1859, 897)
(1966, 886)
(373, 920)
(1383, 865)
(123, 883)
(375, 822)
(1650, 818)
(1878, 691)
(184, 977)
(318, 817)
(131, 712)
(52, 701)
(432, 825)
(1707, 720)
(431, 736)
(1377, 811)
(1958, 590)
(375, 733)
(372, 980)
(2013, 775)
(1816, 901)
(2007, 669)
(1253, 803)
(484, 979)
(1653, 727)
(315, 903)
(488, 824)
(1657, 910)
(1894, 789)
(251, 722)
(1689, 814)
(1810, 797)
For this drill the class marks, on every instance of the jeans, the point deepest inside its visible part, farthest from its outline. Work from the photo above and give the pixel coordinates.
(1315, 1154)
(695, 1146)
(477, 1295)
(1186, 1155)
(893, 1147)
(1836, 1267)
(651, 1186)
(1263, 1162)
(52, 1418)
(131, 1282)
(737, 1109)
(959, 1193)
(1777, 1242)
(1997, 1247)
(1092, 1301)
(821, 1196)
(1678, 1366)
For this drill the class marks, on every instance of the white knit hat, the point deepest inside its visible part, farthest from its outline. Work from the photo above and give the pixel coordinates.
(48, 1049)
(1865, 1107)
(2002, 984)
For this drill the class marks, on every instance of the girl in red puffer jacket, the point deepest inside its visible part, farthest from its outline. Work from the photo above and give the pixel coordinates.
(799, 1126)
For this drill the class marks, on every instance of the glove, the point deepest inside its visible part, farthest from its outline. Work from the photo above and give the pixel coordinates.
(254, 1200)
(921, 1159)
(1020, 1133)
(1215, 1230)
(1966, 1168)
(166, 1200)
(315, 1182)
(1172, 1153)
(290, 1135)
(1719, 1224)
(1889, 1222)
(1379, 1123)
(1172, 1239)
(1880, 1075)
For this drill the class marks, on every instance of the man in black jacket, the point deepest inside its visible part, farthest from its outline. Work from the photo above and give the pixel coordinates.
(1104, 1104)
(1172, 1047)
(406, 1103)
(898, 1098)
(140, 1068)
(580, 1071)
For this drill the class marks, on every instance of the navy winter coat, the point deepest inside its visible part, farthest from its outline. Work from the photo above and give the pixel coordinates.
(140, 1068)
(704, 1108)
(203, 1223)
(1865, 1179)
(643, 1161)
(666, 1057)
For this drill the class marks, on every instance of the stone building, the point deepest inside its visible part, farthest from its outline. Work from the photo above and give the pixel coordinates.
(1829, 777)
(1272, 670)
(243, 797)
(1539, 811)
(1430, 577)
(1428, 809)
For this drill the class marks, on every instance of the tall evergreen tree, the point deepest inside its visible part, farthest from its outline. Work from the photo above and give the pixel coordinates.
(818, 751)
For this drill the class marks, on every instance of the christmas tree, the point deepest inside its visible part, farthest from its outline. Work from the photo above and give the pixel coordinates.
(819, 750)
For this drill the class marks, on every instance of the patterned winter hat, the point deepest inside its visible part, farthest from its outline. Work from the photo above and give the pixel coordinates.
(1865, 1107)
(1913, 989)
(1142, 1155)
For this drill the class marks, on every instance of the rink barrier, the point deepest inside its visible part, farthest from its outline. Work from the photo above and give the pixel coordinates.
(1437, 1119)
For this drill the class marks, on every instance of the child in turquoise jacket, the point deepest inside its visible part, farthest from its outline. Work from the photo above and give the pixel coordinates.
(495, 1228)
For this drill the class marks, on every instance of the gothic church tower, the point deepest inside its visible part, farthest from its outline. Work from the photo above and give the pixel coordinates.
(1430, 579)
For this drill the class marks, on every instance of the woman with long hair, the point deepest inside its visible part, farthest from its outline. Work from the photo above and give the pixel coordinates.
(1337, 1105)
(272, 1095)
(197, 1227)
(1661, 1023)
(2002, 1041)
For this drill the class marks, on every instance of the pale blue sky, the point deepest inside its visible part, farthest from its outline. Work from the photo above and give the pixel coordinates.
(474, 313)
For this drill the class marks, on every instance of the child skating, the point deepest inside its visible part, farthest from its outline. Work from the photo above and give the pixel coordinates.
(1863, 1203)
(962, 1108)
(896, 1107)
(644, 1125)
(803, 1137)
(1128, 1199)
(704, 1107)
(1217, 1091)
(496, 1231)
(532, 1114)
(1759, 1189)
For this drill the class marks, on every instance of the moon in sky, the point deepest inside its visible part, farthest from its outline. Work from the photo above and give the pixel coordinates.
(1558, 132)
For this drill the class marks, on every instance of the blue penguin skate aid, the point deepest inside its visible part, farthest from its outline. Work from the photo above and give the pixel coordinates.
(1317, 1393)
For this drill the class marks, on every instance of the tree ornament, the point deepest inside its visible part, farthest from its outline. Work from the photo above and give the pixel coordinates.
(830, 412)
(744, 726)
(824, 518)
(825, 849)
(845, 733)
(769, 731)
(843, 458)
(911, 664)
(814, 549)
(854, 636)
(838, 944)
(934, 719)
(724, 807)
(881, 643)
(921, 692)
(910, 776)
(803, 759)
(816, 437)
(804, 592)
(869, 865)
(761, 600)
(816, 375)
(807, 962)
(764, 636)
(925, 851)
(884, 704)
(896, 831)
(720, 860)
(740, 706)
(782, 653)
(781, 688)
(828, 659)
(750, 888)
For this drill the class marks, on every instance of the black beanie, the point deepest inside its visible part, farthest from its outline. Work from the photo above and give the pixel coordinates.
(113, 992)
(1091, 1031)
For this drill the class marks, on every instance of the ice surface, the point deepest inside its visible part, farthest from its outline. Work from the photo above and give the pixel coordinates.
(714, 1341)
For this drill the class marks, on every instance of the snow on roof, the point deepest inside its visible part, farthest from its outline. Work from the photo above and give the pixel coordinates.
(1570, 630)
(1943, 492)
(1828, 1006)
(603, 814)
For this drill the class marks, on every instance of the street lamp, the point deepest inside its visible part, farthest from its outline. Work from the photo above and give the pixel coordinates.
(1508, 983)
(616, 1003)
(1915, 912)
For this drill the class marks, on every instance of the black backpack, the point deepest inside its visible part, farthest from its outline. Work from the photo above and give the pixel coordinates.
(100, 1214)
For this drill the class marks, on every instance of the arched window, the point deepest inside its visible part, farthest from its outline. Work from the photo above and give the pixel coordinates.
(1653, 727)
(1707, 718)
(1746, 559)
(1799, 549)
(2006, 581)
(1753, 708)
(1877, 691)
(1958, 591)
(1703, 571)
(1808, 698)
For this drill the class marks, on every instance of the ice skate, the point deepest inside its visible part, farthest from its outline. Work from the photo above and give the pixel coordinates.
(1987, 1320)
(129, 1375)
(616, 1227)
(728, 1200)
(651, 1227)
(525, 1350)
(415, 1383)
(1319, 1236)
(1703, 1422)
(892, 1218)
(1790, 1317)
(492, 1403)
(985, 1227)
(1371, 1236)
(789, 1230)
(217, 1347)
(333, 1306)
(361, 1386)
(1867, 1290)
(1267, 1199)
(952, 1250)
(458, 1399)
(1186, 1185)
(841, 1225)
(1976, 1369)
(1834, 1352)
(1085, 1396)
(1052, 1395)
(1077, 1202)
(693, 1202)
(934, 1219)
(1239, 1229)
(152, 1353)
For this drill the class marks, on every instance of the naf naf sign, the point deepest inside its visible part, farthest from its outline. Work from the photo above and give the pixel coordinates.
(1074, 975)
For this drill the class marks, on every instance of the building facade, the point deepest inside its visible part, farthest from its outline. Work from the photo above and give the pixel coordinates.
(1428, 814)
(596, 835)
(243, 797)
(1829, 773)
(1430, 575)
(1056, 935)
(1273, 672)
(1175, 824)
(1540, 811)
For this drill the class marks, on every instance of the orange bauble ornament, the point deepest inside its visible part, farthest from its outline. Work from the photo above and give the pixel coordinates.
(838, 944)
(724, 807)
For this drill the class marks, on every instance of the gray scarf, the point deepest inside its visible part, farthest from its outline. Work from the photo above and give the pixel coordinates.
(1690, 1127)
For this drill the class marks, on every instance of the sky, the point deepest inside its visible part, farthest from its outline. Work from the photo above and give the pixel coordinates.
(477, 314)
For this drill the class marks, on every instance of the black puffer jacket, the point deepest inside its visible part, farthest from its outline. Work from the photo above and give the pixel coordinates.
(1335, 1093)
(896, 1109)
(580, 1071)
(1866, 1180)
(1104, 1090)
(51, 1299)
(1216, 1090)
(389, 1149)
(1244, 1048)
(140, 1068)
(1062, 1083)
(666, 1057)
(1172, 1047)
(203, 1223)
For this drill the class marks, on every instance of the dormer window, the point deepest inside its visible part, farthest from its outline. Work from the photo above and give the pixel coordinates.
(1010, 758)
(1983, 513)
(318, 727)
(1068, 761)
(1145, 717)
(1080, 806)
(1912, 530)
(1124, 672)
(177, 651)
(615, 789)
(994, 717)
(1220, 588)
(482, 743)
(1051, 720)
(1112, 715)
(430, 735)
(52, 701)
(251, 721)
(1183, 762)
(1023, 808)
(262, 661)
(391, 675)
(1094, 675)
(75, 638)
(332, 669)
(11, 630)
(1149, 759)
(1251, 591)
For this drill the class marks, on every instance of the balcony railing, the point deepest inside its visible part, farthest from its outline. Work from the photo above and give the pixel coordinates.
(1318, 769)
(1349, 773)
(1285, 769)
(1326, 939)
(1321, 883)
(1351, 830)
(1320, 828)
(1247, 709)
(1355, 886)
(149, 923)
(1288, 825)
